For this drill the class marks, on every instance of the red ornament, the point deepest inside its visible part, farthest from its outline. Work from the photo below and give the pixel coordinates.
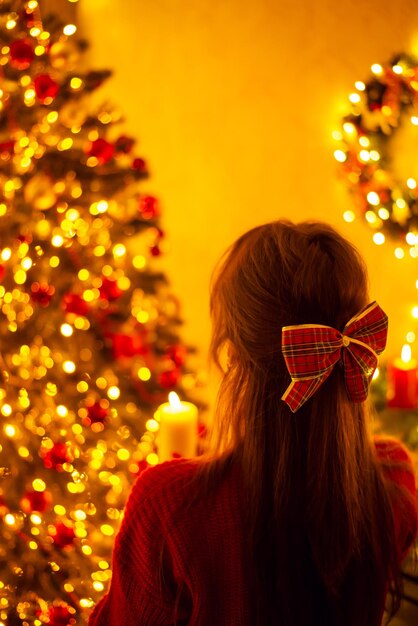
(61, 615)
(98, 412)
(73, 303)
(169, 378)
(102, 150)
(21, 54)
(42, 293)
(2, 272)
(35, 501)
(124, 144)
(7, 148)
(62, 535)
(139, 164)
(45, 87)
(177, 354)
(155, 250)
(148, 207)
(127, 345)
(110, 290)
(55, 457)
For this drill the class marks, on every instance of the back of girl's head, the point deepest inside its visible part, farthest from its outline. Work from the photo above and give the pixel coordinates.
(277, 275)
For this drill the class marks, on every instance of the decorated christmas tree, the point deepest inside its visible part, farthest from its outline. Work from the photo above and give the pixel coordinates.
(88, 326)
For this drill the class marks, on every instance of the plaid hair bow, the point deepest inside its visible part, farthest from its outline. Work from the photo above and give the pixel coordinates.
(311, 351)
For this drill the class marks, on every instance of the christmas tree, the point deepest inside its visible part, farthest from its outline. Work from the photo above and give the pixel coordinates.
(89, 343)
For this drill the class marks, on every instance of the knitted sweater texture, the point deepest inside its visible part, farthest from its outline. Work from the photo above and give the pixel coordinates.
(166, 549)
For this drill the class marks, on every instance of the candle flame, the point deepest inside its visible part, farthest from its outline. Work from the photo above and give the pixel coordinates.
(174, 400)
(406, 353)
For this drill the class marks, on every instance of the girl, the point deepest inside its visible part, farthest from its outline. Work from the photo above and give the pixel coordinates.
(299, 518)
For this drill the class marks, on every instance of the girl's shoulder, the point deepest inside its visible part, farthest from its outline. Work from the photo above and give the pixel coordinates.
(396, 462)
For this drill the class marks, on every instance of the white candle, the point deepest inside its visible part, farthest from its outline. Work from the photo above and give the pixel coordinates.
(178, 428)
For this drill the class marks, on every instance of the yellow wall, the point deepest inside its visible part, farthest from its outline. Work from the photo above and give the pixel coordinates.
(234, 103)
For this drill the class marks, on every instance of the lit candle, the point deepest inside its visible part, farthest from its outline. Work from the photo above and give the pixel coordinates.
(177, 436)
(402, 391)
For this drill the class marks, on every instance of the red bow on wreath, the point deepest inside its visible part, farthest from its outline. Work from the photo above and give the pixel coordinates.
(311, 351)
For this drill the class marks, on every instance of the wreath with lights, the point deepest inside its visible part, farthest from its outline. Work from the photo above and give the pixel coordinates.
(378, 108)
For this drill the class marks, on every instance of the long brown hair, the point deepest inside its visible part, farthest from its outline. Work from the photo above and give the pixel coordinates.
(319, 519)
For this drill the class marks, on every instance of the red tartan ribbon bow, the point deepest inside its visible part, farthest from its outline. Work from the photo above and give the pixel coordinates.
(311, 351)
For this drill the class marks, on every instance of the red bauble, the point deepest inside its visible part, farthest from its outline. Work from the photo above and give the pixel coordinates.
(42, 293)
(155, 250)
(127, 345)
(101, 149)
(62, 535)
(169, 378)
(110, 290)
(73, 303)
(124, 144)
(97, 413)
(45, 87)
(148, 207)
(61, 615)
(2, 272)
(177, 354)
(35, 501)
(7, 147)
(21, 54)
(139, 164)
(55, 457)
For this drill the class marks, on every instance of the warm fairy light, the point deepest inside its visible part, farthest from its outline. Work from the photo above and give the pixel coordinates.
(411, 183)
(9, 519)
(373, 198)
(10, 24)
(152, 425)
(39, 485)
(6, 253)
(54, 261)
(371, 217)
(59, 509)
(410, 336)
(376, 374)
(152, 458)
(139, 262)
(377, 69)
(374, 155)
(383, 213)
(144, 373)
(35, 518)
(32, 5)
(354, 98)
(406, 353)
(349, 128)
(340, 156)
(123, 454)
(399, 253)
(9, 430)
(411, 238)
(57, 241)
(379, 239)
(119, 250)
(6, 410)
(364, 141)
(113, 392)
(66, 330)
(364, 155)
(62, 410)
(397, 69)
(360, 86)
(68, 367)
(414, 312)
(414, 120)
(69, 29)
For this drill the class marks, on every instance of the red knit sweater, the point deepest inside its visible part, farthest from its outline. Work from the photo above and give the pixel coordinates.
(204, 549)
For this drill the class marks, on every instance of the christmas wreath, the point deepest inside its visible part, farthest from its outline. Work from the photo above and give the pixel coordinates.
(378, 108)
